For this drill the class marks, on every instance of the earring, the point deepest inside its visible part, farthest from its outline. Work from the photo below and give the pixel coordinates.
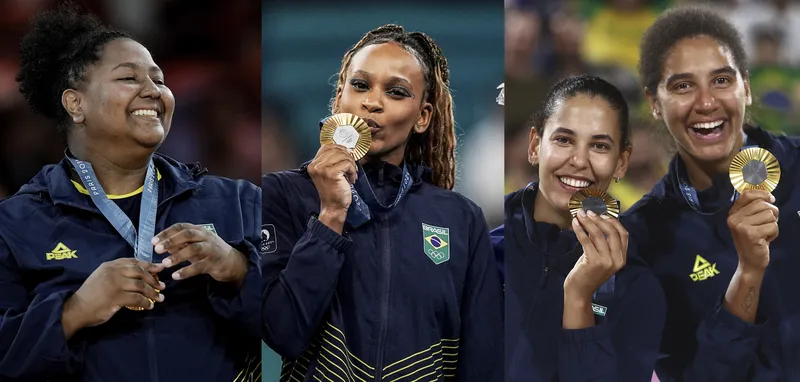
(616, 179)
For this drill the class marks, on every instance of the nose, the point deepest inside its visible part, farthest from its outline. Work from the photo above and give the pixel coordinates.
(705, 103)
(372, 103)
(150, 90)
(579, 158)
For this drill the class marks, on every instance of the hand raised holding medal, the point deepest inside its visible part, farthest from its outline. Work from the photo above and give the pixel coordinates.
(604, 242)
(753, 219)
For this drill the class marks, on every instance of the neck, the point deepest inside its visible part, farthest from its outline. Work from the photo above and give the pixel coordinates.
(544, 212)
(396, 158)
(118, 174)
(701, 174)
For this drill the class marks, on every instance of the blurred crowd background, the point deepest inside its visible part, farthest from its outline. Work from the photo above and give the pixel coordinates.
(210, 53)
(547, 40)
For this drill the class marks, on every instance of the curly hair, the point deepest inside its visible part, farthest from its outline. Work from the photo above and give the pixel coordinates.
(681, 23)
(55, 54)
(436, 146)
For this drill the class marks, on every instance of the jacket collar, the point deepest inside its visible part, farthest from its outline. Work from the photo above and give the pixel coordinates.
(54, 182)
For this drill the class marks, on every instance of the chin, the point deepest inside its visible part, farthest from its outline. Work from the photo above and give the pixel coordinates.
(150, 141)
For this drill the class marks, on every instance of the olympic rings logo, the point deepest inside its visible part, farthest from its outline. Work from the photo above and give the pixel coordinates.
(436, 254)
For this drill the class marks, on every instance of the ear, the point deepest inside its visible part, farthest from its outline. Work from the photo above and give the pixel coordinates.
(71, 100)
(622, 162)
(655, 108)
(424, 119)
(533, 147)
(747, 94)
(338, 100)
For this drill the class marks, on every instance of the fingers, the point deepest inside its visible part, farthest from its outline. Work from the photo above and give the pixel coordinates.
(138, 270)
(198, 268)
(768, 231)
(134, 300)
(346, 167)
(185, 235)
(620, 235)
(582, 236)
(750, 196)
(755, 207)
(597, 236)
(334, 161)
(194, 252)
(140, 287)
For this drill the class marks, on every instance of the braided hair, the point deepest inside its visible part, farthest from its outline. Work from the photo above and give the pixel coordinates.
(55, 54)
(436, 146)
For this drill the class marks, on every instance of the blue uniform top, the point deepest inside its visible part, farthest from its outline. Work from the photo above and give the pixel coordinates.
(629, 308)
(52, 237)
(694, 257)
(375, 303)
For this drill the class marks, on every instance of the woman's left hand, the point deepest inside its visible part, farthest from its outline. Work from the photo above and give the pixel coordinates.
(207, 253)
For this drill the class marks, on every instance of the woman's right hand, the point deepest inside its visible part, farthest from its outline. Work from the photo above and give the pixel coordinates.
(605, 249)
(333, 170)
(113, 285)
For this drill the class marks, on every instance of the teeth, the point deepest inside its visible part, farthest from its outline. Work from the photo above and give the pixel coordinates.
(707, 125)
(145, 113)
(574, 182)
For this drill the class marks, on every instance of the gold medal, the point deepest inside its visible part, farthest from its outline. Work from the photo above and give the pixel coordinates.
(755, 169)
(347, 130)
(595, 200)
(139, 308)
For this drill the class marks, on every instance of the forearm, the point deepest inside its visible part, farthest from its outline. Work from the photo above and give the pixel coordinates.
(741, 298)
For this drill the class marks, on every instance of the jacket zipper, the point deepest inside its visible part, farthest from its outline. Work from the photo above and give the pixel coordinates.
(386, 267)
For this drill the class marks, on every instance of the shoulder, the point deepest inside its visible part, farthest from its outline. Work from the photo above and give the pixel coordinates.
(279, 182)
(219, 185)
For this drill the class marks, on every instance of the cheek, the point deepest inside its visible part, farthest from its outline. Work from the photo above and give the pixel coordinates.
(604, 165)
(168, 99)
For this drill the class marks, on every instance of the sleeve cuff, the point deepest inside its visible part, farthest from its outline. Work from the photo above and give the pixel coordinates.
(327, 235)
(590, 334)
(59, 349)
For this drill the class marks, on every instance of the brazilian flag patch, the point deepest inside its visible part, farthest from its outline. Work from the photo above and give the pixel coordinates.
(436, 243)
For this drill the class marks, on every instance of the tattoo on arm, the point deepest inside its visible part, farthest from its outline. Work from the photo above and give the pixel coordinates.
(748, 299)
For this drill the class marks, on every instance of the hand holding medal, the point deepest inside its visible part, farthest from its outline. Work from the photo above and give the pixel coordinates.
(206, 252)
(122, 282)
(753, 219)
(604, 242)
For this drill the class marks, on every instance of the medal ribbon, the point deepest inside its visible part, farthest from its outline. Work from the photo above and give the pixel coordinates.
(141, 243)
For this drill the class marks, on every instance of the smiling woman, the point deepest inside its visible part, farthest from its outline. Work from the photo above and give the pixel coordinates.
(572, 283)
(725, 270)
(381, 271)
(123, 265)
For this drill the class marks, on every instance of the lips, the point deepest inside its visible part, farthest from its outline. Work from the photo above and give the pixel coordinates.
(373, 125)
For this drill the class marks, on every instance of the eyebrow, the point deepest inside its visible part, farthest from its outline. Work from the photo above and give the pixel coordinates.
(392, 79)
(682, 76)
(564, 130)
(134, 66)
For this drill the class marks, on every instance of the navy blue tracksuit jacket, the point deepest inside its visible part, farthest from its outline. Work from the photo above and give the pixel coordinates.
(370, 304)
(622, 346)
(694, 257)
(52, 238)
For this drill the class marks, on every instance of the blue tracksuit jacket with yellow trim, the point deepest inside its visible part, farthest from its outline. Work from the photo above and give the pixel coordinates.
(371, 305)
(694, 257)
(52, 238)
(622, 346)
